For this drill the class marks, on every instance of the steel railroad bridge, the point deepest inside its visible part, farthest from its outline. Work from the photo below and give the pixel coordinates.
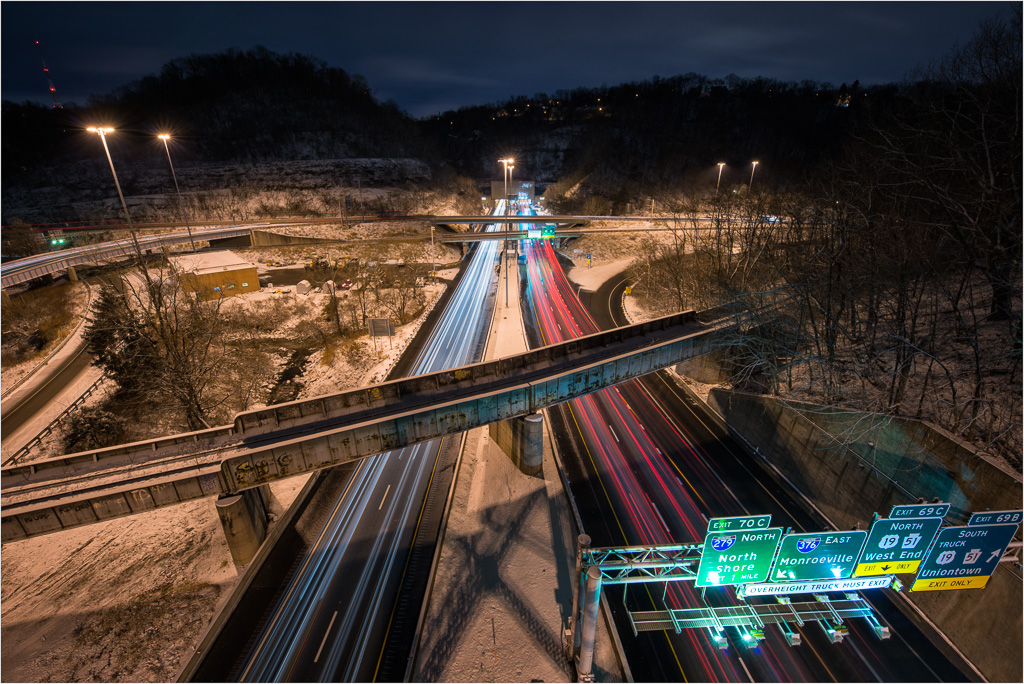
(302, 436)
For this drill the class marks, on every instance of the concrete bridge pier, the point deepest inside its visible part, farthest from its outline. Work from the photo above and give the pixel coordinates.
(244, 519)
(72, 275)
(522, 439)
(5, 298)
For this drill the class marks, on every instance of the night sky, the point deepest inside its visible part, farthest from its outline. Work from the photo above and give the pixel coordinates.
(429, 57)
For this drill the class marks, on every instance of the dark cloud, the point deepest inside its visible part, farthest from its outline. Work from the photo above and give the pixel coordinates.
(431, 56)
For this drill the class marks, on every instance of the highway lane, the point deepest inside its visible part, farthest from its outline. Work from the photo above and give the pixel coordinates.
(333, 620)
(53, 382)
(642, 477)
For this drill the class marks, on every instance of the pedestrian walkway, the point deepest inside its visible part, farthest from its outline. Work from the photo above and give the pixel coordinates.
(503, 589)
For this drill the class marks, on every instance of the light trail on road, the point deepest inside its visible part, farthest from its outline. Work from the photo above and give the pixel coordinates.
(333, 617)
(657, 484)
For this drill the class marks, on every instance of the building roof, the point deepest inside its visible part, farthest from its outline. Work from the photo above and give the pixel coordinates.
(202, 263)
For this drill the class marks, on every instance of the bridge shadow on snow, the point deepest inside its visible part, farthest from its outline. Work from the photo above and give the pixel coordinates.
(482, 557)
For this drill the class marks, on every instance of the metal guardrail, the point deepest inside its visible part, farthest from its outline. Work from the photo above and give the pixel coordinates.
(24, 451)
(63, 343)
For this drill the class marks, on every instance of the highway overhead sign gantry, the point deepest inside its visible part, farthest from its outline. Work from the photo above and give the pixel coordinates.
(737, 557)
(818, 556)
(896, 546)
(964, 557)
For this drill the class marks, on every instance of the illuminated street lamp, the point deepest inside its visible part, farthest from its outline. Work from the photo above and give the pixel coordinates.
(102, 132)
(753, 168)
(505, 174)
(721, 165)
(507, 227)
(181, 205)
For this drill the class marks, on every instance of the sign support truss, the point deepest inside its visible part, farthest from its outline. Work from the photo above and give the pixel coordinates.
(677, 563)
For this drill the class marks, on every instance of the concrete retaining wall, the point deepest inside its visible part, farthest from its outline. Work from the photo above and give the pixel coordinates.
(706, 369)
(875, 462)
(262, 238)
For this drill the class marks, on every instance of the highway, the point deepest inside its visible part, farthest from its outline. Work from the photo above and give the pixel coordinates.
(642, 474)
(334, 618)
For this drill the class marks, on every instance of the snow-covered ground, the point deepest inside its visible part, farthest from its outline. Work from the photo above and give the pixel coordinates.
(367, 361)
(126, 600)
(78, 304)
(123, 600)
(591, 278)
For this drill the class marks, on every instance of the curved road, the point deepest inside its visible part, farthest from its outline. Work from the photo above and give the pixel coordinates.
(644, 472)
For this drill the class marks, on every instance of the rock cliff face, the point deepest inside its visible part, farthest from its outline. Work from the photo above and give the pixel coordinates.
(86, 191)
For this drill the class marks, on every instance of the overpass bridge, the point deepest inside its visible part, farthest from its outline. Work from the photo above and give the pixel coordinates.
(24, 270)
(559, 219)
(298, 437)
(49, 263)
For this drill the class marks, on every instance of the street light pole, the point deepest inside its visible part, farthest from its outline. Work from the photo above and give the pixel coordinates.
(721, 165)
(506, 175)
(181, 204)
(507, 227)
(753, 168)
(124, 205)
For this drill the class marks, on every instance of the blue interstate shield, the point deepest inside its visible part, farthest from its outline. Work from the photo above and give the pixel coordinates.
(807, 545)
(723, 543)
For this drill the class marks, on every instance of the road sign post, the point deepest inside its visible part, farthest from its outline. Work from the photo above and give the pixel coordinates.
(896, 546)
(964, 557)
(818, 556)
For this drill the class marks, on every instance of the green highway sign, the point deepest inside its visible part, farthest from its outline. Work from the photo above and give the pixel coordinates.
(940, 510)
(744, 522)
(737, 557)
(818, 556)
(896, 546)
(964, 557)
(996, 518)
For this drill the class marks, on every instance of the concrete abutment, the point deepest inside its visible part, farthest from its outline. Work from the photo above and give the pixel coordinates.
(522, 440)
(243, 518)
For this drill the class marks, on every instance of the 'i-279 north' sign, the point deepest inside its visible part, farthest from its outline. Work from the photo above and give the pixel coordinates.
(737, 555)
